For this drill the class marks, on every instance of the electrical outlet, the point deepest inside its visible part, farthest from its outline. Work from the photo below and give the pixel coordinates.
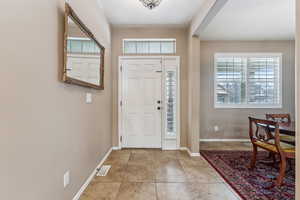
(66, 179)
(216, 128)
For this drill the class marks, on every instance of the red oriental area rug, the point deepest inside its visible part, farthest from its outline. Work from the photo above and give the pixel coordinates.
(257, 184)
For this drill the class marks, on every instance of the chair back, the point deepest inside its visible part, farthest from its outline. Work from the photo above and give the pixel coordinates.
(281, 118)
(264, 131)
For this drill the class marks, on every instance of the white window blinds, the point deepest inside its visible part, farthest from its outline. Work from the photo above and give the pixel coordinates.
(248, 80)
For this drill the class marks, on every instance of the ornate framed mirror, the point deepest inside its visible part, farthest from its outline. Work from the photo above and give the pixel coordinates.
(83, 54)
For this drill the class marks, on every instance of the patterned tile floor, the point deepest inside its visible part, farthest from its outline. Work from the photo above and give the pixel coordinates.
(140, 174)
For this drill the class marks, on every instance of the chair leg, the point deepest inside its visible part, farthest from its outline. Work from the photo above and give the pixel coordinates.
(282, 171)
(290, 165)
(253, 160)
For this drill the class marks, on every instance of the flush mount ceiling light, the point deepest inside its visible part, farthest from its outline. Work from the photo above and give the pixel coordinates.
(151, 3)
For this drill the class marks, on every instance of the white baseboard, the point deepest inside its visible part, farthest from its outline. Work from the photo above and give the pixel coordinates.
(189, 152)
(225, 140)
(87, 182)
(164, 149)
(170, 149)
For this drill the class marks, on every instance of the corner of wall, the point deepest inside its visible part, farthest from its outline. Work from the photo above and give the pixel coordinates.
(193, 93)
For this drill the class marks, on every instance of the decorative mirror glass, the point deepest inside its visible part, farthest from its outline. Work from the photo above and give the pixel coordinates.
(83, 54)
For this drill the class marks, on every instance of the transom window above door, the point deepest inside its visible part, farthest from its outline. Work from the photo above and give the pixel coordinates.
(149, 46)
(248, 80)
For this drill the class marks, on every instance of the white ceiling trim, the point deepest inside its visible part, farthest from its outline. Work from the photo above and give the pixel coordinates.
(200, 16)
(214, 10)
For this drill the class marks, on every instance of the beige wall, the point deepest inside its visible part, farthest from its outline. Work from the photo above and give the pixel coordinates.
(75, 31)
(46, 128)
(120, 33)
(233, 123)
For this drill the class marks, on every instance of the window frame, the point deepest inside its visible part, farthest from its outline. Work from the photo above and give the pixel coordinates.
(149, 40)
(247, 105)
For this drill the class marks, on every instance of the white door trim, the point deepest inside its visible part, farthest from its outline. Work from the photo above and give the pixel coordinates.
(120, 87)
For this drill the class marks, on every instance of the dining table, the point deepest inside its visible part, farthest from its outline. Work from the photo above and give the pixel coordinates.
(287, 128)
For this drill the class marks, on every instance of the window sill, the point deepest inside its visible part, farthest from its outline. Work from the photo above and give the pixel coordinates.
(248, 107)
(171, 138)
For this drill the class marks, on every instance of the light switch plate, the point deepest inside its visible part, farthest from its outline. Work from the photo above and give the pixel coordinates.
(66, 179)
(216, 128)
(89, 98)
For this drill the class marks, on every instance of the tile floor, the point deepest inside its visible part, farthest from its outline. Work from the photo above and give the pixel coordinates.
(139, 174)
(231, 146)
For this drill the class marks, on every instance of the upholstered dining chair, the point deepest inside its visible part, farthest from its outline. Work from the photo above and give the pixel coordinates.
(262, 137)
(282, 118)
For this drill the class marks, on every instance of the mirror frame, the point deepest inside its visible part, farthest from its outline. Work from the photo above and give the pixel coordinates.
(69, 12)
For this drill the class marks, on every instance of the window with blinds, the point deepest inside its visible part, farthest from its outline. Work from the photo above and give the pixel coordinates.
(248, 80)
(149, 46)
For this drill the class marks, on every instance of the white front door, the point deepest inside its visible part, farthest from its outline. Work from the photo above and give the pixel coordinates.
(141, 103)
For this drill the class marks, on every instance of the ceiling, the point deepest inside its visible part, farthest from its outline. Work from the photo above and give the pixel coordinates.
(132, 12)
(253, 20)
